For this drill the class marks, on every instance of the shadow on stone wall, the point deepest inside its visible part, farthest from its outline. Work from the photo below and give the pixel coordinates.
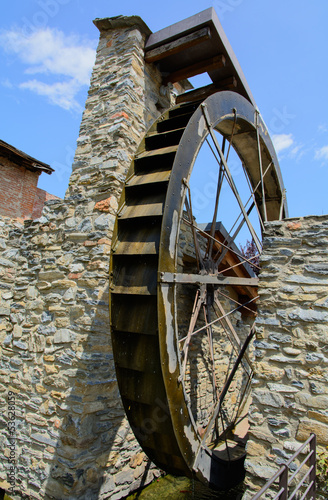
(82, 423)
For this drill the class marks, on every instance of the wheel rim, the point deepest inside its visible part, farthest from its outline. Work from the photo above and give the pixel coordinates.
(174, 440)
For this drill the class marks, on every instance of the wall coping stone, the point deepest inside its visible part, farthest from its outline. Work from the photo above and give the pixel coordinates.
(109, 23)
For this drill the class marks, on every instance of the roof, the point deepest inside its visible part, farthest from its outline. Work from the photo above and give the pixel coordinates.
(234, 250)
(233, 261)
(24, 160)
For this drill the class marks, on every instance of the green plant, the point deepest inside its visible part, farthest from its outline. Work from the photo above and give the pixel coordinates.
(322, 471)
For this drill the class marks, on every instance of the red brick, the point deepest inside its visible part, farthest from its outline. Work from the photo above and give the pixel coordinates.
(121, 113)
(74, 276)
(19, 195)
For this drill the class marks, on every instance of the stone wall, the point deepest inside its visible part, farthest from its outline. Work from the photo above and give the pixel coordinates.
(290, 391)
(41, 196)
(71, 436)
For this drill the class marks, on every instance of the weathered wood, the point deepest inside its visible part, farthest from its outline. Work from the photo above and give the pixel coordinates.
(157, 152)
(136, 248)
(213, 63)
(182, 43)
(204, 92)
(151, 178)
(149, 205)
(213, 279)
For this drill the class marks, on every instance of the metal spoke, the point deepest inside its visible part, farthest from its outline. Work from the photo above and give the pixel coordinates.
(253, 191)
(231, 328)
(210, 342)
(226, 386)
(199, 300)
(220, 181)
(224, 316)
(229, 176)
(200, 264)
(218, 160)
(232, 238)
(233, 344)
(218, 191)
(240, 263)
(233, 300)
(220, 243)
(252, 196)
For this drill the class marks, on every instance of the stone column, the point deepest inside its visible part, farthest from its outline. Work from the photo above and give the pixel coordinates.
(125, 97)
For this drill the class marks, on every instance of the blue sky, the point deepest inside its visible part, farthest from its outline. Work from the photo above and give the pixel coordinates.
(47, 49)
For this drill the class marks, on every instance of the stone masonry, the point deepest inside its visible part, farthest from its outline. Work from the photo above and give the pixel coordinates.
(290, 391)
(72, 437)
(72, 440)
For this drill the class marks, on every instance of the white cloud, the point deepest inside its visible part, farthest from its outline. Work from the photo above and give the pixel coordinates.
(298, 152)
(282, 142)
(64, 60)
(60, 93)
(322, 153)
(5, 82)
(322, 128)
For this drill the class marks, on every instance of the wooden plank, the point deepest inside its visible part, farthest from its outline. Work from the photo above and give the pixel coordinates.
(213, 63)
(142, 210)
(133, 290)
(182, 43)
(204, 92)
(156, 152)
(136, 248)
(151, 178)
(136, 314)
(134, 385)
(137, 352)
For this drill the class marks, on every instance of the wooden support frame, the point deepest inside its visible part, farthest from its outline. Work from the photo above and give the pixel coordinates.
(204, 92)
(211, 64)
(189, 48)
(183, 43)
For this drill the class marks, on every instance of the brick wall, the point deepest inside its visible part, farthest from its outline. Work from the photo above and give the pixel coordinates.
(19, 194)
(18, 189)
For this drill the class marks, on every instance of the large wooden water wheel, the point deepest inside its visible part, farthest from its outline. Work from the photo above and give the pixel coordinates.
(183, 293)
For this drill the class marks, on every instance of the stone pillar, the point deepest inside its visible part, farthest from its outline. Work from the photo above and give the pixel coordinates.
(72, 437)
(290, 390)
(125, 96)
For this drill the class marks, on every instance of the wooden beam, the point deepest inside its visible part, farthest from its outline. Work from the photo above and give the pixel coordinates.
(210, 279)
(207, 65)
(204, 92)
(182, 43)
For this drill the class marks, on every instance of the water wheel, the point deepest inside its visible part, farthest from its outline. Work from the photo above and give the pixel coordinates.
(183, 293)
